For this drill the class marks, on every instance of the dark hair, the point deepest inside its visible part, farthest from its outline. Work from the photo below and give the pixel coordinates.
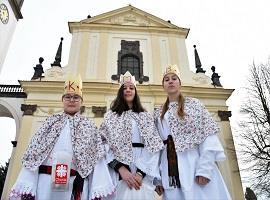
(119, 105)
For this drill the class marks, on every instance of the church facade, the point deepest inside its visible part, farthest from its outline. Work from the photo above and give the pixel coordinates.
(102, 48)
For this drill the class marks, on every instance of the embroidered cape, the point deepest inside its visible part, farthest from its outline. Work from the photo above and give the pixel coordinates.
(196, 126)
(117, 131)
(86, 143)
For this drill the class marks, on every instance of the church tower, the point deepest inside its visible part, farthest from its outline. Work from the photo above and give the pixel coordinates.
(10, 13)
(107, 45)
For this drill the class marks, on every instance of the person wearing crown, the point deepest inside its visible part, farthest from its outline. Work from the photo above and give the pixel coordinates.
(64, 159)
(132, 142)
(187, 164)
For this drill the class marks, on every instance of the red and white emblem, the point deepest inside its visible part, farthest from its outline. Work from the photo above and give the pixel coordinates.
(61, 173)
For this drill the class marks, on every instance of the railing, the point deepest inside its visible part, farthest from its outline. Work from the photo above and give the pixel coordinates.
(12, 91)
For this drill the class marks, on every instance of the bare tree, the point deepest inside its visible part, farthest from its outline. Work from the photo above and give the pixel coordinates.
(255, 129)
(3, 174)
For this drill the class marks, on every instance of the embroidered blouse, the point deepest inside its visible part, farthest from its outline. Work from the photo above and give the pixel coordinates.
(117, 131)
(86, 143)
(194, 128)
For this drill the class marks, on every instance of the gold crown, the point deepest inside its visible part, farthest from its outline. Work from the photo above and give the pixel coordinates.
(127, 78)
(172, 69)
(73, 85)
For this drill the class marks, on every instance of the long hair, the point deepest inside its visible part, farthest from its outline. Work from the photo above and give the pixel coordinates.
(119, 105)
(181, 104)
(180, 109)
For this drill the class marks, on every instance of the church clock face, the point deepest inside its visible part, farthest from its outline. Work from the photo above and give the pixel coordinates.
(4, 15)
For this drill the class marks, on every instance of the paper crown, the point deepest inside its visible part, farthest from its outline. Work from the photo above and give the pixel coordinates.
(73, 85)
(172, 69)
(127, 78)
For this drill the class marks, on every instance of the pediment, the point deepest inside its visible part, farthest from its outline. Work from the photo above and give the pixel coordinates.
(129, 16)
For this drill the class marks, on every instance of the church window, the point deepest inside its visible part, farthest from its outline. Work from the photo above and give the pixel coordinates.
(130, 59)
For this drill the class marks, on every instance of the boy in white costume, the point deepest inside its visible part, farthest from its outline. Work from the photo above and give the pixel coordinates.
(133, 144)
(188, 169)
(64, 156)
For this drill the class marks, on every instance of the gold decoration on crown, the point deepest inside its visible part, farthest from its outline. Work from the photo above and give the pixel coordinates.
(172, 69)
(127, 78)
(73, 85)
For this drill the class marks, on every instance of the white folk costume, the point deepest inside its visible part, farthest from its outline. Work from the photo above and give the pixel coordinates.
(197, 148)
(64, 160)
(132, 141)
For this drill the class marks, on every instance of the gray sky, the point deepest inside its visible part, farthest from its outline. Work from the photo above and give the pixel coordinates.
(229, 34)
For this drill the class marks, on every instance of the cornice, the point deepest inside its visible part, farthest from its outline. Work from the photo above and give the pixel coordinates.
(79, 27)
(111, 88)
(198, 92)
(42, 86)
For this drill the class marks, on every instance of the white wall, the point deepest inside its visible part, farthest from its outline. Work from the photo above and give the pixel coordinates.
(6, 33)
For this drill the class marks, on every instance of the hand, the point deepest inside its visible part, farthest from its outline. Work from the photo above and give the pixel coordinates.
(128, 178)
(159, 189)
(138, 178)
(202, 180)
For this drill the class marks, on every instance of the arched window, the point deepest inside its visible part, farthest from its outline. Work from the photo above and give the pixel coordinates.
(130, 59)
(130, 63)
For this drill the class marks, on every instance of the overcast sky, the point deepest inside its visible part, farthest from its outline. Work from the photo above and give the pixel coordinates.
(229, 34)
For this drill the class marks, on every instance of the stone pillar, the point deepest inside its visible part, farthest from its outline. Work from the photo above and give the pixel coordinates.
(235, 183)
(99, 112)
(23, 139)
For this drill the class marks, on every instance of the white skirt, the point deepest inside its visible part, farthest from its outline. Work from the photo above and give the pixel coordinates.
(147, 191)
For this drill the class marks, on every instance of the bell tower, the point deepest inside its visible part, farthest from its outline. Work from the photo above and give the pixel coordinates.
(10, 13)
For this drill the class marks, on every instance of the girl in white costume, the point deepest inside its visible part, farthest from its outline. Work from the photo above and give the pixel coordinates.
(133, 144)
(64, 159)
(188, 168)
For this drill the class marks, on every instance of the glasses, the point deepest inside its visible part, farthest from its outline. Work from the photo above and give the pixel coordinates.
(75, 98)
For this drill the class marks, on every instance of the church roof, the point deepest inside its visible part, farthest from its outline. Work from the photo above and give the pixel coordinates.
(128, 17)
